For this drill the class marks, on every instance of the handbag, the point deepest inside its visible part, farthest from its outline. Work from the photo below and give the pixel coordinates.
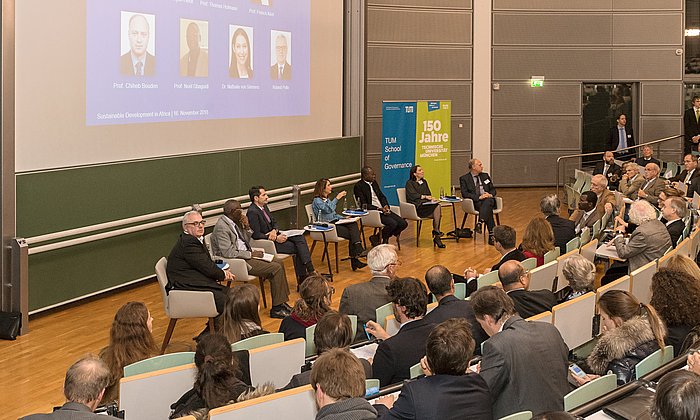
(634, 407)
(10, 324)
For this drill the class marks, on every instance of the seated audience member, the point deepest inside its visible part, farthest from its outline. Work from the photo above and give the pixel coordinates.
(369, 194)
(477, 186)
(673, 211)
(333, 331)
(693, 361)
(609, 169)
(395, 355)
(338, 380)
(441, 284)
(215, 383)
(418, 193)
(264, 226)
(190, 266)
(362, 299)
(241, 319)
(324, 210)
(684, 264)
(586, 215)
(631, 180)
(652, 185)
(606, 200)
(449, 390)
(579, 272)
(688, 174)
(84, 387)
(647, 157)
(524, 363)
(315, 301)
(130, 341)
(538, 239)
(564, 230)
(630, 331)
(667, 193)
(516, 281)
(677, 397)
(231, 239)
(504, 241)
(675, 296)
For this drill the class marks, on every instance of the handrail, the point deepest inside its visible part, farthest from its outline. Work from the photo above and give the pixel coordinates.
(560, 158)
(280, 194)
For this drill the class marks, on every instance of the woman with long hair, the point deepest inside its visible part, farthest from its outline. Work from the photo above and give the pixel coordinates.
(240, 318)
(216, 383)
(324, 210)
(682, 263)
(538, 239)
(630, 331)
(240, 67)
(418, 193)
(675, 295)
(315, 301)
(130, 341)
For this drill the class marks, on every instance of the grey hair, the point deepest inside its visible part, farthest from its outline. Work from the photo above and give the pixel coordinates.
(641, 211)
(679, 205)
(549, 204)
(654, 167)
(86, 379)
(379, 258)
(186, 217)
(631, 165)
(579, 272)
(602, 179)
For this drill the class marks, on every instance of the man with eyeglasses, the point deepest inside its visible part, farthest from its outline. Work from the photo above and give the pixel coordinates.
(631, 180)
(190, 266)
(687, 175)
(516, 282)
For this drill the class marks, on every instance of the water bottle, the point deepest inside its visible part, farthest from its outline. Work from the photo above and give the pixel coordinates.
(345, 203)
(442, 193)
(318, 220)
(452, 191)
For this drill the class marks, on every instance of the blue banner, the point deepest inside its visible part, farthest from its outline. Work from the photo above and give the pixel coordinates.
(398, 146)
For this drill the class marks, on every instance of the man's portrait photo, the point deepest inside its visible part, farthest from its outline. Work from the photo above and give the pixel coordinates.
(281, 68)
(138, 44)
(262, 2)
(194, 48)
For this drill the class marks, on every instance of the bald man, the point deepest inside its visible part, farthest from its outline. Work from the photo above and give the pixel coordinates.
(653, 185)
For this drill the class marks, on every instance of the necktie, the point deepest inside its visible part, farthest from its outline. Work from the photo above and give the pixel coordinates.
(697, 114)
(139, 68)
(266, 216)
(279, 75)
(623, 139)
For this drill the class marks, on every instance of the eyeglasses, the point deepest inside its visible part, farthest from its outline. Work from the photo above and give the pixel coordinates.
(201, 223)
(397, 263)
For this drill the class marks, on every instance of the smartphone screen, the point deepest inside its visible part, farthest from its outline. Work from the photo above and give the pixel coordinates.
(577, 370)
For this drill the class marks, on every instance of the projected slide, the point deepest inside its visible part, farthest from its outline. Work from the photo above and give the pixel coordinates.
(182, 60)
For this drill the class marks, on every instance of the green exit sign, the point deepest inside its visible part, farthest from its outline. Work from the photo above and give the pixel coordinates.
(536, 82)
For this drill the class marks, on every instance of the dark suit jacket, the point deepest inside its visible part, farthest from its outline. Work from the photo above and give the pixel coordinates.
(691, 127)
(614, 137)
(395, 356)
(363, 299)
(286, 72)
(532, 302)
(364, 195)
(451, 307)
(681, 178)
(126, 66)
(258, 224)
(191, 268)
(469, 190)
(644, 162)
(525, 366)
(564, 231)
(515, 254)
(675, 229)
(444, 397)
(613, 170)
(70, 411)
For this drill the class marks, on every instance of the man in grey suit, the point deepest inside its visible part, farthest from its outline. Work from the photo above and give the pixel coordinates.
(650, 239)
(363, 299)
(84, 387)
(653, 185)
(524, 363)
(231, 239)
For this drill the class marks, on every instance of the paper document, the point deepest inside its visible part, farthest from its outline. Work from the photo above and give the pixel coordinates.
(347, 220)
(365, 352)
(266, 257)
(292, 232)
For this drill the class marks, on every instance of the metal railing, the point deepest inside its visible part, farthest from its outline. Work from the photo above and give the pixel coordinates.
(280, 199)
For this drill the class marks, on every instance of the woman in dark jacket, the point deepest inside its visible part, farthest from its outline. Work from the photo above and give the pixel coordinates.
(630, 331)
(675, 295)
(418, 193)
(579, 272)
(314, 303)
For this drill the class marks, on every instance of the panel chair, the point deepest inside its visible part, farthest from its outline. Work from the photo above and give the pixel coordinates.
(327, 237)
(590, 391)
(409, 212)
(261, 340)
(655, 360)
(269, 247)
(163, 361)
(468, 208)
(180, 304)
(373, 219)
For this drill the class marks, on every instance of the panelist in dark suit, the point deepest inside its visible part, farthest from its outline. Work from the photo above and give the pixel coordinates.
(516, 281)
(620, 136)
(264, 226)
(138, 61)
(441, 284)
(477, 186)
(564, 229)
(368, 193)
(524, 363)
(448, 390)
(691, 126)
(190, 266)
(395, 355)
(281, 70)
(609, 169)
